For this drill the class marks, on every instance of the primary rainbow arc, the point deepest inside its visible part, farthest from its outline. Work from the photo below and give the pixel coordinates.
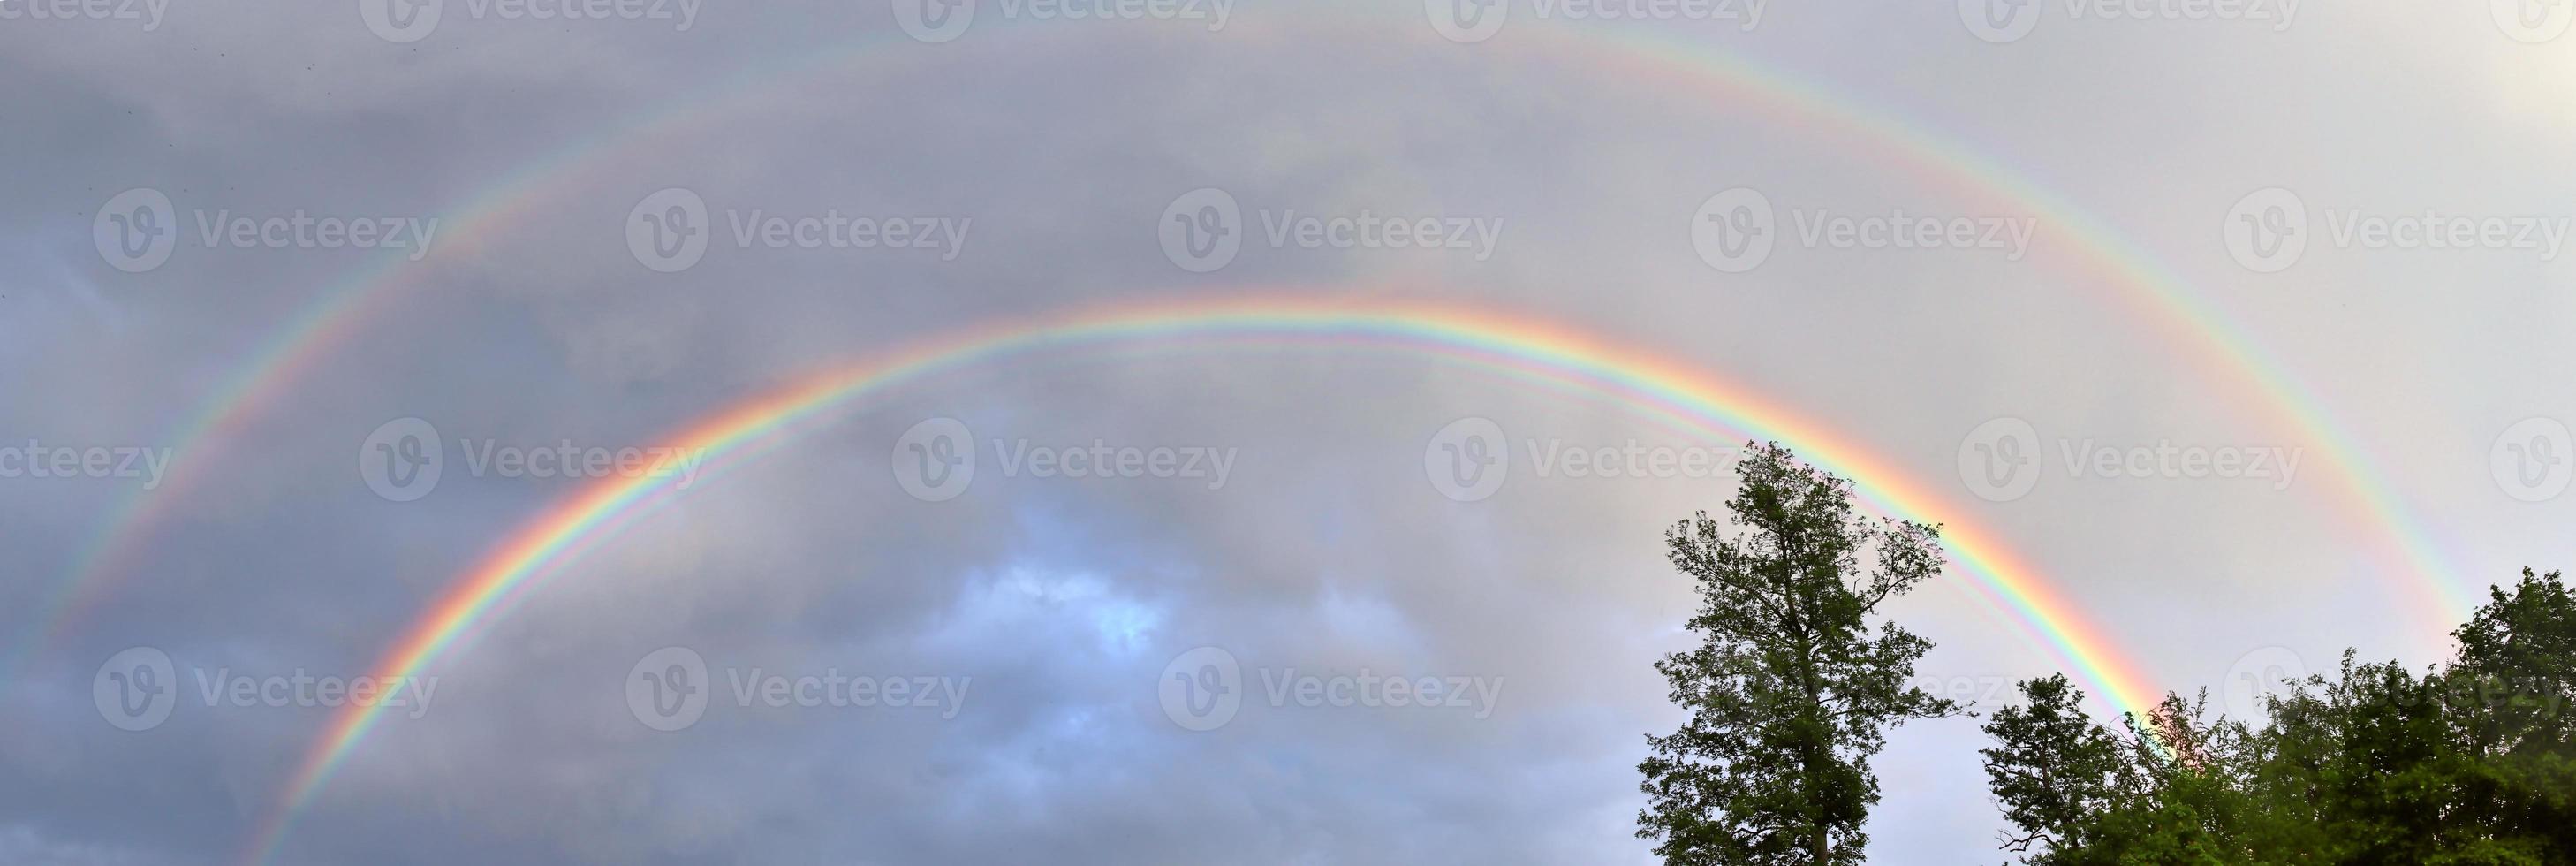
(548, 543)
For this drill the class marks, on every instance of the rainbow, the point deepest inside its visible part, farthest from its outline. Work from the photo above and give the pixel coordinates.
(2256, 381)
(552, 541)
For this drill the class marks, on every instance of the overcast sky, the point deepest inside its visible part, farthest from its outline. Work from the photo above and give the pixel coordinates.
(1954, 239)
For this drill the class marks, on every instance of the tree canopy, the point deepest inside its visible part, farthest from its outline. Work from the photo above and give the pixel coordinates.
(2465, 763)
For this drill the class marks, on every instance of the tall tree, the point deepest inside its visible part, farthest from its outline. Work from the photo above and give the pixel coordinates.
(1792, 689)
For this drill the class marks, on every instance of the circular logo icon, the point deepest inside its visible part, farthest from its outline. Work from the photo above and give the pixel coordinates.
(136, 230)
(1202, 230)
(1999, 21)
(2267, 230)
(934, 21)
(1202, 689)
(2533, 459)
(935, 460)
(2259, 675)
(1467, 21)
(136, 689)
(401, 21)
(2533, 21)
(1468, 460)
(668, 230)
(667, 689)
(1733, 230)
(1999, 461)
(402, 459)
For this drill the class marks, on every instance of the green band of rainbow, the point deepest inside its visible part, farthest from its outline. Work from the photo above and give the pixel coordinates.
(543, 545)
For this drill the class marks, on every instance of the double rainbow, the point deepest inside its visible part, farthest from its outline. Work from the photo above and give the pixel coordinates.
(1682, 66)
(1679, 66)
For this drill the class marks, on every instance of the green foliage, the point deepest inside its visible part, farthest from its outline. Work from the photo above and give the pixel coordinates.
(1792, 690)
(2466, 765)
